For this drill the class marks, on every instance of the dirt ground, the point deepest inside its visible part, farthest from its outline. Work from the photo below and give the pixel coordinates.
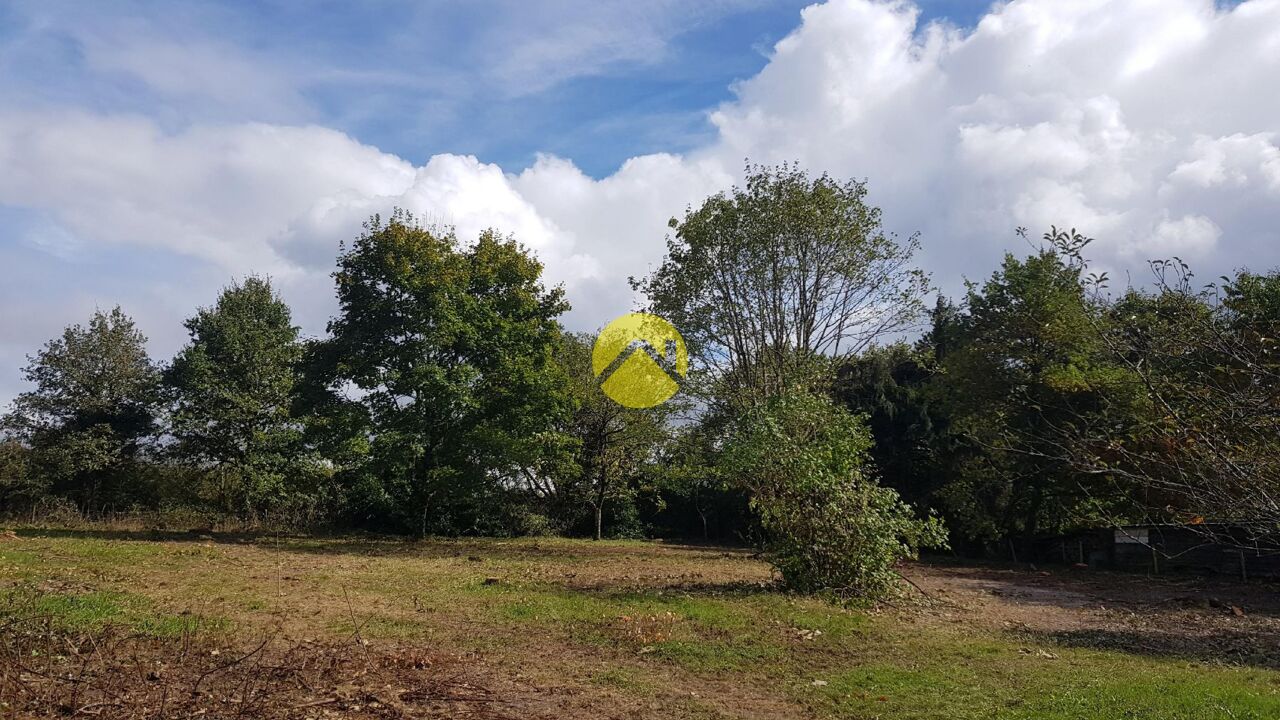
(1206, 618)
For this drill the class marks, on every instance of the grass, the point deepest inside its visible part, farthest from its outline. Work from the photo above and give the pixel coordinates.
(93, 611)
(1081, 687)
(623, 626)
(627, 680)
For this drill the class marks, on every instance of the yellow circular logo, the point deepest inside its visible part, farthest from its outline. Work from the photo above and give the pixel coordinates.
(631, 345)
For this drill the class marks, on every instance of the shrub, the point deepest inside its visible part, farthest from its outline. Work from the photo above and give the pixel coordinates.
(829, 525)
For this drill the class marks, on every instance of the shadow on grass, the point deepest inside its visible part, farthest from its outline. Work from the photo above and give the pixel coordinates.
(726, 590)
(196, 536)
(354, 542)
(1172, 595)
(1253, 649)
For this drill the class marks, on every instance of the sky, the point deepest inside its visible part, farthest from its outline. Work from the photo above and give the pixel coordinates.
(152, 152)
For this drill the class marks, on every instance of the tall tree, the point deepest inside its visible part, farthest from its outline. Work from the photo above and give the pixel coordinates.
(613, 443)
(768, 281)
(90, 411)
(772, 285)
(232, 388)
(1026, 369)
(449, 350)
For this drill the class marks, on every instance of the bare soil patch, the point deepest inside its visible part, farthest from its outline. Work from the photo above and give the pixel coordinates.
(49, 674)
(1202, 618)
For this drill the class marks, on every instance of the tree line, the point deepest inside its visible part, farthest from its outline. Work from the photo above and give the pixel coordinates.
(446, 397)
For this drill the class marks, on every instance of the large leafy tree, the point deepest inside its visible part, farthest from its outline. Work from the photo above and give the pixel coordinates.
(773, 285)
(90, 411)
(769, 281)
(1025, 372)
(448, 349)
(232, 389)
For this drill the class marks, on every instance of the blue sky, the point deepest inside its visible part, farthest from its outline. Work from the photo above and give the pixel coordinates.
(414, 79)
(153, 151)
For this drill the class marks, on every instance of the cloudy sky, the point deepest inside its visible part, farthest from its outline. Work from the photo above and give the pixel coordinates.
(151, 152)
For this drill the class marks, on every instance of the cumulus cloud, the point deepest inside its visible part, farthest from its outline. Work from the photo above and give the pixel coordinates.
(1125, 118)
(1142, 122)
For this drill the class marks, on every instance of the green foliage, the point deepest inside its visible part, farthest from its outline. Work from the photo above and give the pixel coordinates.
(610, 446)
(447, 398)
(689, 493)
(830, 525)
(1205, 359)
(90, 411)
(232, 388)
(890, 386)
(448, 349)
(1025, 369)
(772, 286)
(1253, 301)
(772, 280)
(20, 487)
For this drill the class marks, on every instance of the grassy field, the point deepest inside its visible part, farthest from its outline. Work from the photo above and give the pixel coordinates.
(542, 628)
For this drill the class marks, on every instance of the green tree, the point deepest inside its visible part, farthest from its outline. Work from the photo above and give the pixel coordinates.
(19, 487)
(613, 444)
(771, 281)
(773, 285)
(449, 351)
(232, 390)
(829, 525)
(890, 386)
(1251, 304)
(1026, 372)
(90, 411)
(690, 493)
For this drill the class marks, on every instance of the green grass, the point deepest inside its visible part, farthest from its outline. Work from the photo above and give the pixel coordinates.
(584, 615)
(945, 676)
(712, 656)
(93, 611)
(1075, 690)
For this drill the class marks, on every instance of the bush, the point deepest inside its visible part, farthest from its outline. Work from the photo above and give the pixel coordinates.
(829, 525)
(20, 488)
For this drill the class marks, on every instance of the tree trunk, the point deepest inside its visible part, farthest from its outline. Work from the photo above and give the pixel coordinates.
(601, 491)
(1033, 524)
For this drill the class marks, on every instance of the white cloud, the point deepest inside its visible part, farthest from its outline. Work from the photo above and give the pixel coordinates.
(1188, 236)
(1046, 112)
(221, 193)
(530, 47)
(1239, 161)
(1142, 122)
(217, 77)
(620, 221)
